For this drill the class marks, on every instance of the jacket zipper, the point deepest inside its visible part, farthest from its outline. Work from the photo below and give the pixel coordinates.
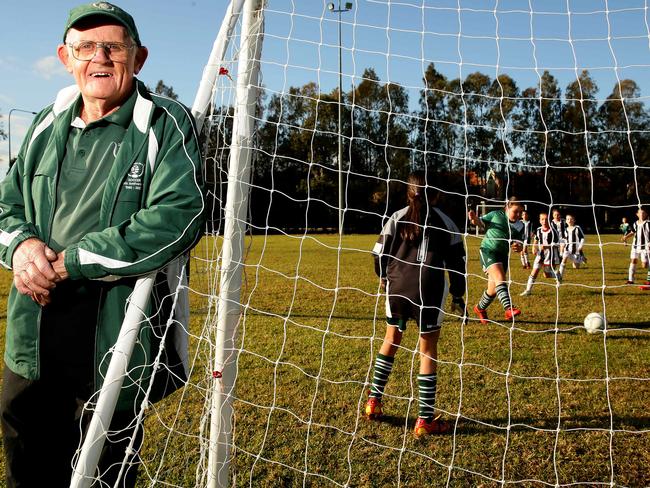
(53, 198)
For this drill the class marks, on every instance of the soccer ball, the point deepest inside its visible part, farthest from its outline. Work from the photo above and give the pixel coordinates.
(594, 323)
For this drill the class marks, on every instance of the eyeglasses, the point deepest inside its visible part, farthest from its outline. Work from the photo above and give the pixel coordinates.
(86, 50)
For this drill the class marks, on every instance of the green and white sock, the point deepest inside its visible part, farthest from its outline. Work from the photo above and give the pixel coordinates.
(504, 295)
(485, 300)
(383, 368)
(427, 391)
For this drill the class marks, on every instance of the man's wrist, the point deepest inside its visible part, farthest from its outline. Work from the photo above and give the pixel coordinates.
(59, 266)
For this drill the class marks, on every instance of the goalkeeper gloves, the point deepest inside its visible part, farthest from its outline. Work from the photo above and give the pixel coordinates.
(459, 308)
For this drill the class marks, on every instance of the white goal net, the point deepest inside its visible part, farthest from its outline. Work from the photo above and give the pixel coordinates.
(305, 163)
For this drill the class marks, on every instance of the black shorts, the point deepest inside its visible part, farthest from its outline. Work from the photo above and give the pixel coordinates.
(428, 317)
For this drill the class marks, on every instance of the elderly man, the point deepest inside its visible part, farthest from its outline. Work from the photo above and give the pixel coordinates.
(107, 187)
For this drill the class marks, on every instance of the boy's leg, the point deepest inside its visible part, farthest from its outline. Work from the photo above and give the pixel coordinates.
(503, 294)
(428, 378)
(386, 357)
(631, 271)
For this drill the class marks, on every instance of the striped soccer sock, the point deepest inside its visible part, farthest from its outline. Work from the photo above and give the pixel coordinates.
(427, 391)
(383, 368)
(485, 300)
(504, 295)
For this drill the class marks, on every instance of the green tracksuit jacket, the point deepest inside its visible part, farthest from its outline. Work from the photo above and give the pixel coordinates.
(152, 213)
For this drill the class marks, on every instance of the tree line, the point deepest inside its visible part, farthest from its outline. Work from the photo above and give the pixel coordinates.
(546, 145)
(480, 139)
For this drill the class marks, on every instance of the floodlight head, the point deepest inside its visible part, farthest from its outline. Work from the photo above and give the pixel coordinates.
(348, 5)
(330, 6)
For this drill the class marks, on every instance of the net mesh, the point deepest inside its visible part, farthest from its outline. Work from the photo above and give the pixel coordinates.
(542, 100)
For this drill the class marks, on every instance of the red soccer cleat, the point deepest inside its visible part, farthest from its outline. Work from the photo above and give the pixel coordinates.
(645, 286)
(373, 408)
(482, 314)
(512, 312)
(433, 426)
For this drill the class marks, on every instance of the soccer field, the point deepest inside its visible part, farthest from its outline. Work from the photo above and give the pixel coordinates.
(536, 403)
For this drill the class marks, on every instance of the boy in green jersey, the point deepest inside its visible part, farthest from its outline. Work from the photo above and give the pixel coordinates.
(503, 232)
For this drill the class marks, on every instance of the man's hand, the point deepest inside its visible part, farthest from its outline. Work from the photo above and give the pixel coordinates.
(382, 284)
(459, 308)
(59, 266)
(33, 271)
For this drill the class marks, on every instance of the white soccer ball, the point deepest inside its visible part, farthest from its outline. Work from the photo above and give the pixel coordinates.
(594, 323)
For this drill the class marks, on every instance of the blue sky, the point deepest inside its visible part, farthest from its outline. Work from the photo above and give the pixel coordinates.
(608, 37)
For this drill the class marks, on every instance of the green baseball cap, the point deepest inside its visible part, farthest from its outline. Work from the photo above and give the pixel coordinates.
(103, 9)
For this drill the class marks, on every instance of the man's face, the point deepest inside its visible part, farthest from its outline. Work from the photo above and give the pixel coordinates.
(102, 80)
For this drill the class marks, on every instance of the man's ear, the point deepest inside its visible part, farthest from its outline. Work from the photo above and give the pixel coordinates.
(140, 57)
(64, 56)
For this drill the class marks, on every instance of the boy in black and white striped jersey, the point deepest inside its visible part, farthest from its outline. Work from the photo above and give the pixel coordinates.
(525, 220)
(575, 241)
(545, 246)
(640, 246)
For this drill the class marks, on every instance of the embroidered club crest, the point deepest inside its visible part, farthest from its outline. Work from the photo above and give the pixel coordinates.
(136, 170)
(103, 5)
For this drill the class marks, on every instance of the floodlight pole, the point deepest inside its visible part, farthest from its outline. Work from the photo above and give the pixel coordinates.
(339, 10)
(9, 129)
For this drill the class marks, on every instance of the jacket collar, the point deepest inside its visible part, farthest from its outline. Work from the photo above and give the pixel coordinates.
(142, 110)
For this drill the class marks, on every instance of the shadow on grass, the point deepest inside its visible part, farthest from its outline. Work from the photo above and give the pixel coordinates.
(619, 325)
(601, 422)
(525, 424)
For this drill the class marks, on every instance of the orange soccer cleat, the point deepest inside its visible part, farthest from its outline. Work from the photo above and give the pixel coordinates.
(433, 426)
(482, 314)
(373, 408)
(512, 312)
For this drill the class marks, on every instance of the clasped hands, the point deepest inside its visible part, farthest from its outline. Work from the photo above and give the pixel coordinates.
(37, 269)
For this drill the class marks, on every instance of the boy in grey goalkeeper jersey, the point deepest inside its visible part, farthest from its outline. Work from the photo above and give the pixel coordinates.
(415, 248)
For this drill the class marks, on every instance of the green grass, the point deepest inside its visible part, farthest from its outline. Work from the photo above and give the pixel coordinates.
(540, 400)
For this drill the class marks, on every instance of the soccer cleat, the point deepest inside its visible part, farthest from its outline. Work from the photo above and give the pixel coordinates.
(629, 282)
(373, 408)
(512, 312)
(525, 293)
(433, 426)
(482, 314)
(645, 286)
